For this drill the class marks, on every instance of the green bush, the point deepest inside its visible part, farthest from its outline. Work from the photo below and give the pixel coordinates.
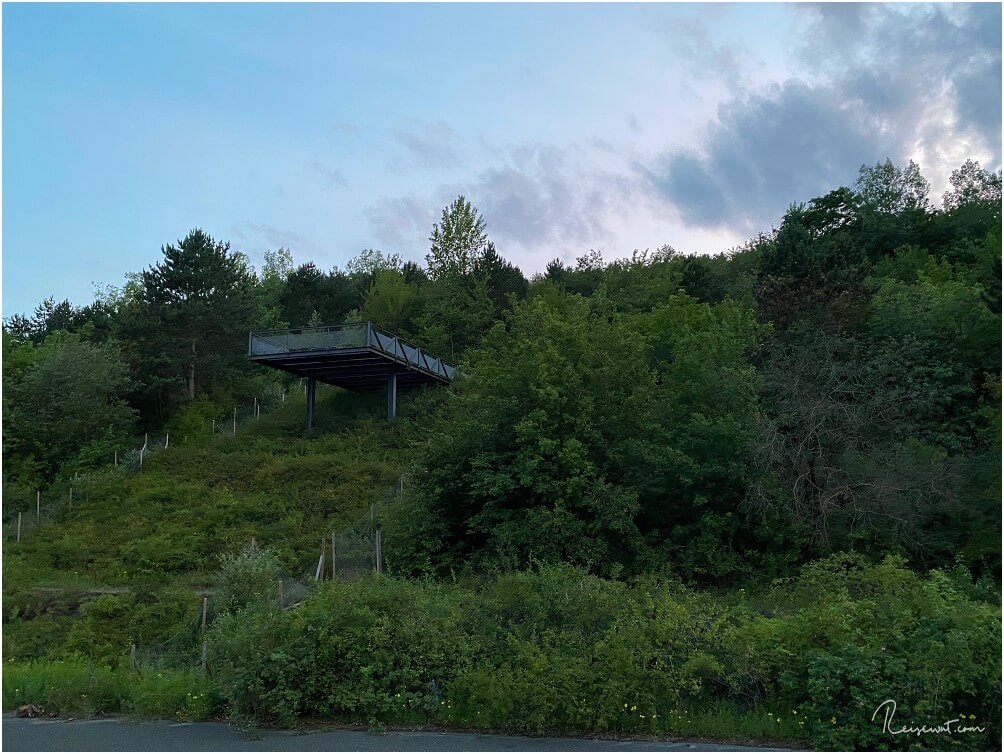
(559, 650)
(246, 579)
(861, 634)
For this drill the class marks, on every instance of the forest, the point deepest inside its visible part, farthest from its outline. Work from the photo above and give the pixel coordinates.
(748, 495)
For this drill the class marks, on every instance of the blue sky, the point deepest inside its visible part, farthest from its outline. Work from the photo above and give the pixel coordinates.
(332, 128)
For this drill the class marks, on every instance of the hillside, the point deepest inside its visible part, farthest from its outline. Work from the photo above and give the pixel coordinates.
(749, 495)
(153, 539)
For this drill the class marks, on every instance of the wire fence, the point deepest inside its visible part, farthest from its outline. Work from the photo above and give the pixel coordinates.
(346, 552)
(24, 511)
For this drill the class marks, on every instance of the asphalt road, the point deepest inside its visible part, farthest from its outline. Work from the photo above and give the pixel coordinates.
(39, 734)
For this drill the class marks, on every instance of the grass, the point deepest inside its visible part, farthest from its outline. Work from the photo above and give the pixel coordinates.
(71, 689)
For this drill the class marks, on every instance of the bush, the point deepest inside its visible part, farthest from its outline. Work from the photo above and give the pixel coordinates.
(866, 633)
(558, 650)
(247, 579)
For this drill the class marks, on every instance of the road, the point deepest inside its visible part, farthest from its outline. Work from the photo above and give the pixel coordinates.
(40, 734)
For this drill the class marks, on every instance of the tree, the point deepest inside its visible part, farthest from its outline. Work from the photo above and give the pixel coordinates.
(390, 301)
(502, 278)
(457, 240)
(971, 184)
(68, 400)
(891, 190)
(198, 305)
(531, 467)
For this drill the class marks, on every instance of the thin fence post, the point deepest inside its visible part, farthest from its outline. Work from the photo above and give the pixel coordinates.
(132, 657)
(116, 457)
(141, 456)
(167, 439)
(280, 594)
(320, 563)
(38, 506)
(205, 610)
(19, 526)
(379, 549)
(235, 421)
(333, 573)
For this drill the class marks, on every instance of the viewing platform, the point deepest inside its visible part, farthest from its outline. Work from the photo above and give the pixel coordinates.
(359, 357)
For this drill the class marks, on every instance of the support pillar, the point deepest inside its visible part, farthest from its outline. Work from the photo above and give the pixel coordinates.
(311, 392)
(392, 395)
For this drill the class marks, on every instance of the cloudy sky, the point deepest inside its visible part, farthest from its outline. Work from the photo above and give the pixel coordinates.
(328, 129)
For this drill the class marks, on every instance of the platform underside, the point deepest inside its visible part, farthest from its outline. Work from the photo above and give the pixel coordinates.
(360, 369)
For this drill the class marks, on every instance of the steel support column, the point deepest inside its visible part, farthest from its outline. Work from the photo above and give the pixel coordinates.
(311, 393)
(392, 395)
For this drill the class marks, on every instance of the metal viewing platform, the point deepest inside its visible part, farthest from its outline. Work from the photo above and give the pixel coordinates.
(358, 356)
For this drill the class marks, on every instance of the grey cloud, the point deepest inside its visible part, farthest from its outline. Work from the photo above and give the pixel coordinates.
(878, 73)
(545, 195)
(534, 196)
(401, 222)
(258, 237)
(431, 146)
(766, 150)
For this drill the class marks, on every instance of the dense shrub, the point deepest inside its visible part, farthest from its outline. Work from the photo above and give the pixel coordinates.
(562, 651)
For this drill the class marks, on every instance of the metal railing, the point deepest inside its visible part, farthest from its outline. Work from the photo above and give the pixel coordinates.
(355, 335)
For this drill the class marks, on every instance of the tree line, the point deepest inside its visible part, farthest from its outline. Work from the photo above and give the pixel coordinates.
(831, 385)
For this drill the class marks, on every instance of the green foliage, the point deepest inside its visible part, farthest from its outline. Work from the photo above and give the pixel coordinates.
(561, 651)
(390, 302)
(246, 579)
(833, 386)
(63, 403)
(458, 239)
(863, 634)
(71, 689)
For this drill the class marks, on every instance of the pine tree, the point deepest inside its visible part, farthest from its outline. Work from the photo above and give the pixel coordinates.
(198, 302)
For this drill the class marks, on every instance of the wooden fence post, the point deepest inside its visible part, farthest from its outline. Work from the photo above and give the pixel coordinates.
(235, 421)
(38, 506)
(116, 457)
(132, 657)
(280, 594)
(19, 526)
(167, 439)
(205, 610)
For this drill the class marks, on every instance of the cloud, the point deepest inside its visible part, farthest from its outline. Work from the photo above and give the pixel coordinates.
(880, 81)
(532, 195)
(330, 177)
(260, 237)
(401, 223)
(431, 146)
(788, 143)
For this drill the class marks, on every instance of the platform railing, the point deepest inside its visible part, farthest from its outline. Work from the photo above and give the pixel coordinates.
(355, 335)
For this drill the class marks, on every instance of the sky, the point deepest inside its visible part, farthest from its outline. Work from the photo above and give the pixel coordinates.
(328, 129)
